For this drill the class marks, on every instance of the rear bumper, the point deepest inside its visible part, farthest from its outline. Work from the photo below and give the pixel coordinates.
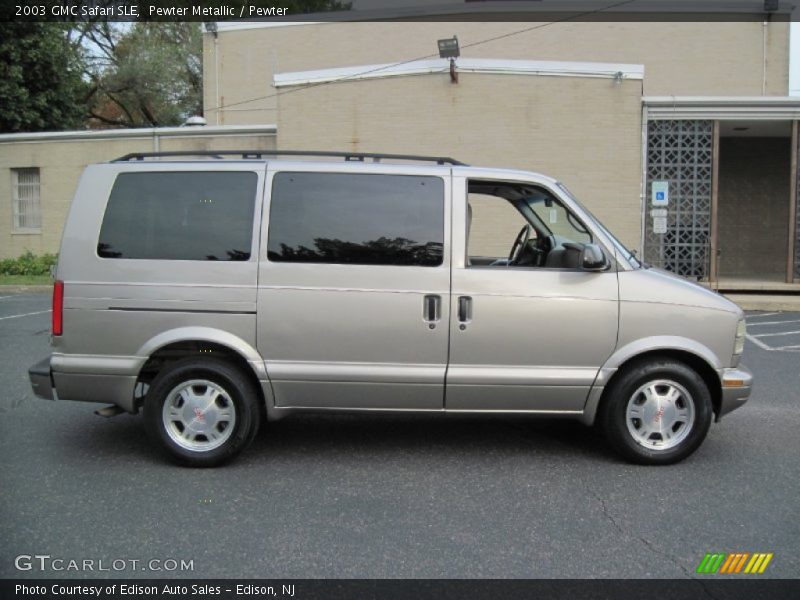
(737, 384)
(42, 379)
(104, 387)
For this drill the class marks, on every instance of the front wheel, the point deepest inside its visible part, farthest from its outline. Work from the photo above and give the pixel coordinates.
(656, 412)
(201, 411)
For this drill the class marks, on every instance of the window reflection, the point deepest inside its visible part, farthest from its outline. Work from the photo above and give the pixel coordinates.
(356, 219)
(180, 216)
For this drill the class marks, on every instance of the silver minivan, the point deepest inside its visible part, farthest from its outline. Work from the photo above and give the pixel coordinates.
(215, 291)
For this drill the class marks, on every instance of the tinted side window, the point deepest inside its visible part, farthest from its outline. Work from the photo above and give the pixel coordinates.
(356, 219)
(180, 216)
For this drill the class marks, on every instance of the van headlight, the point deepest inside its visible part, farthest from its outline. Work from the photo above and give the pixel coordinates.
(738, 346)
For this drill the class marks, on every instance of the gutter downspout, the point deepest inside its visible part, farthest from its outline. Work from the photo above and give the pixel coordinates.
(764, 30)
(643, 185)
(216, 77)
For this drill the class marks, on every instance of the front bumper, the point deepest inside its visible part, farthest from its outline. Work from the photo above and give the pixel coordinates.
(42, 380)
(737, 384)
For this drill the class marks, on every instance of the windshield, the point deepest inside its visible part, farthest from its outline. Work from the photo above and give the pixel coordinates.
(621, 248)
(555, 219)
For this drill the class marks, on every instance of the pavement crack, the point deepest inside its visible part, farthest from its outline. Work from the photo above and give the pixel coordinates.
(609, 517)
(651, 547)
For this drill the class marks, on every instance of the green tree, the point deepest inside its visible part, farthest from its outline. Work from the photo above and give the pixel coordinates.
(56, 76)
(41, 88)
(147, 75)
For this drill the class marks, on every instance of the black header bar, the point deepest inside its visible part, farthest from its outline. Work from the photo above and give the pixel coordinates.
(212, 11)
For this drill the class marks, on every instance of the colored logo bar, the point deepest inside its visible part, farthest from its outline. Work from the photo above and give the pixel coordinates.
(735, 562)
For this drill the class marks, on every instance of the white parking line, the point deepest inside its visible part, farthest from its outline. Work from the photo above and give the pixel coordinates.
(759, 343)
(787, 348)
(762, 315)
(761, 335)
(774, 322)
(41, 312)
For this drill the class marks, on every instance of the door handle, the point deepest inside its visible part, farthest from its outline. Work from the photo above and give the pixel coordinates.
(431, 308)
(464, 309)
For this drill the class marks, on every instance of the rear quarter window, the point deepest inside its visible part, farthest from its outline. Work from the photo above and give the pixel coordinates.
(180, 216)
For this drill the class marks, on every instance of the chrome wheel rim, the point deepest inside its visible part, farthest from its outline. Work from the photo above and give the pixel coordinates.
(660, 414)
(199, 415)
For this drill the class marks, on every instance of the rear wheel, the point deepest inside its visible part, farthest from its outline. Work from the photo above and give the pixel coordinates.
(202, 412)
(656, 412)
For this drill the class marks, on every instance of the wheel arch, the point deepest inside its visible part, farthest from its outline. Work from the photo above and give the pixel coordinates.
(689, 352)
(184, 342)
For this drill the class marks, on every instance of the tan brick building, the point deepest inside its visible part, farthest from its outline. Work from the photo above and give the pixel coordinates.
(697, 106)
(607, 107)
(40, 171)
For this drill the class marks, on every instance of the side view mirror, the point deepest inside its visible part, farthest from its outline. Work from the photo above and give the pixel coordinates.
(593, 258)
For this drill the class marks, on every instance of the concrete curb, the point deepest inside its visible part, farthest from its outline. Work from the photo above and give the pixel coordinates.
(767, 302)
(24, 289)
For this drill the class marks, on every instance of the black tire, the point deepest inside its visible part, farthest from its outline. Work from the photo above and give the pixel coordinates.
(612, 417)
(240, 391)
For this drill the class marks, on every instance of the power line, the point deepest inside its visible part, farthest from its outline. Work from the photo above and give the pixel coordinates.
(411, 60)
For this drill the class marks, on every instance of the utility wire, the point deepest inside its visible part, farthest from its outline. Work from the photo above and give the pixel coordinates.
(411, 60)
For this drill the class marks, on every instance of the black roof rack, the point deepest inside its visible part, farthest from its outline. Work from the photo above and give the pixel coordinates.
(258, 154)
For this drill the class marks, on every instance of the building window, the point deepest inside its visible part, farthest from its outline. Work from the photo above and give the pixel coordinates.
(26, 200)
(357, 219)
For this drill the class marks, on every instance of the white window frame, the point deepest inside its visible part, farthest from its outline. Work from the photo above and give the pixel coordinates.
(34, 199)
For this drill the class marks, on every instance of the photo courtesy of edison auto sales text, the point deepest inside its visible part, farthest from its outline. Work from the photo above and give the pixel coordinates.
(125, 589)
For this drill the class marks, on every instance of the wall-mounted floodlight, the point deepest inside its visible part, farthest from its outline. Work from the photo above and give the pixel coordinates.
(448, 48)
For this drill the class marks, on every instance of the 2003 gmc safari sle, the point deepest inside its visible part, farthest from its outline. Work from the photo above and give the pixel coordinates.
(214, 293)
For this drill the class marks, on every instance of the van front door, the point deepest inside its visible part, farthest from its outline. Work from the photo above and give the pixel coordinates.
(353, 287)
(530, 329)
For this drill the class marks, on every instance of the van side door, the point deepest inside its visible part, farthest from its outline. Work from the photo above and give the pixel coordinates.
(353, 286)
(529, 331)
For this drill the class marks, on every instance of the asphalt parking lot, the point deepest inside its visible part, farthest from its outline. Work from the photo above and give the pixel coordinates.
(775, 331)
(391, 497)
